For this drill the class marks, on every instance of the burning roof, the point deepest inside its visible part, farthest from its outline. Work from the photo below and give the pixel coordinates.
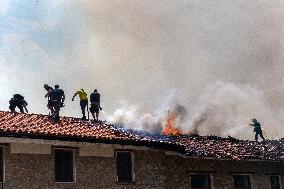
(40, 126)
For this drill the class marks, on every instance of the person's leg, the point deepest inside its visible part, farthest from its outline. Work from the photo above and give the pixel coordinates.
(12, 108)
(20, 108)
(92, 110)
(97, 110)
(256, 137)
(56, 113)
(50, 107)
(56, 107)
(262, 137)
(83, 105)
(97, 116)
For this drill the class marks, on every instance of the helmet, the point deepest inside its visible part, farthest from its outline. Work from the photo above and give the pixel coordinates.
(95, 90)
(45, 86)
(253, 120)
(56, 86)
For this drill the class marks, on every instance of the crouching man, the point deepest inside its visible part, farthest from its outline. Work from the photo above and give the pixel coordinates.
(19, 102)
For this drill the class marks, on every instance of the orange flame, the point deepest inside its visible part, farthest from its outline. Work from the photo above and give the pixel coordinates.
(169, 129)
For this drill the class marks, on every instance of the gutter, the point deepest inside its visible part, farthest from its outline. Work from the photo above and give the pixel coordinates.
(154, 144)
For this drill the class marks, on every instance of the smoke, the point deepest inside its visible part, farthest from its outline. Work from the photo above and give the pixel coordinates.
(134, 117)
(216, 63)
(226, 108)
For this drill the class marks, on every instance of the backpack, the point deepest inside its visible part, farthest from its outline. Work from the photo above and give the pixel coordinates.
(95, 97)
(18, 97)
(56, 94)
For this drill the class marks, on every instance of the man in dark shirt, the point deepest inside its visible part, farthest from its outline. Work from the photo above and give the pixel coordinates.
(49, 104)
(95, 104)
(18, 101)
(257, 129)
(57, 98)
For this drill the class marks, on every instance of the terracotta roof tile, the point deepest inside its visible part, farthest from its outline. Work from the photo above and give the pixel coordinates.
(40, 126)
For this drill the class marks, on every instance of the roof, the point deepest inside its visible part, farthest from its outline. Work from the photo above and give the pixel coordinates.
(73, 129)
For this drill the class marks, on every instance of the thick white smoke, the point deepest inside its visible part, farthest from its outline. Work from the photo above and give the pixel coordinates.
(226, 109)
(223, 59)
(223, 109)
(135, 117)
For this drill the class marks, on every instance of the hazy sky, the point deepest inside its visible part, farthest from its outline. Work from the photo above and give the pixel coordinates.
(222, 60)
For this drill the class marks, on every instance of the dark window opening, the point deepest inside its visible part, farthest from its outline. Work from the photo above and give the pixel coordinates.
(275, 182)
(200, 181)
(1, 165)
(64, 166)
(242, 181)
(124, 166)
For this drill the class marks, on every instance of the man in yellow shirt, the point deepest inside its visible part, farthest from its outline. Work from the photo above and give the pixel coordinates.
(83, 101)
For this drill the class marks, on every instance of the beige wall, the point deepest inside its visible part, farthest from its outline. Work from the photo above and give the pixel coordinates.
(153, 169)
(98, 150)
(30, 148)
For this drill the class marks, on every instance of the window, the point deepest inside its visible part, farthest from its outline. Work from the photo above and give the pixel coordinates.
(124, 166)
(242, 181)
(275, 182)
(200, 181)
(64, 164)
(1, 164)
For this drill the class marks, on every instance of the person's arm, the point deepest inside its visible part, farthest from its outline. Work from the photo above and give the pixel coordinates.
(48, 93)
(74, 95)
(91, 99)
(25, 106)
(63, 97)
(26, 109)
(100, 102)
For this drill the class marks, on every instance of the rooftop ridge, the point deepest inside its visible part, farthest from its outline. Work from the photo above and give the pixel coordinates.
(39, 126)
(70, 119)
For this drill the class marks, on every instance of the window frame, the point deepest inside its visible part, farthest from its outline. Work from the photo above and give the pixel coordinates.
(203, 173)
(74, 166)
(243, 174)
(280, 180)
(132, 167)
(3, 163)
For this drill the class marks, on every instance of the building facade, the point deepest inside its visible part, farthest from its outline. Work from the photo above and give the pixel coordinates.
(36, 153)
(31, 163)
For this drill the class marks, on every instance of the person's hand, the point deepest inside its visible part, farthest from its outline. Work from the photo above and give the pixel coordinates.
(73, 99)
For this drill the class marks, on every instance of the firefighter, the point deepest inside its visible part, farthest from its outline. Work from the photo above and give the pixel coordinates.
(18, 101)
(83, 101)
(257, 129)
(95, 105)
(57, 98)
(47, 95)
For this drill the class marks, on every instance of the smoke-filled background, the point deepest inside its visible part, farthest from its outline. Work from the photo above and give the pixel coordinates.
(216, 64)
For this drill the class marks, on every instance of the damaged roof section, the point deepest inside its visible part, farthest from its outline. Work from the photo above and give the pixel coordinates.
(73, 129)
(212, 146)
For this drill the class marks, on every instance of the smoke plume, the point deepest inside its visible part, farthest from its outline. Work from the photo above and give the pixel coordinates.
(216, 63)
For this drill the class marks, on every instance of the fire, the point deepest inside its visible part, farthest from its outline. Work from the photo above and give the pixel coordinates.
(170, 123)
